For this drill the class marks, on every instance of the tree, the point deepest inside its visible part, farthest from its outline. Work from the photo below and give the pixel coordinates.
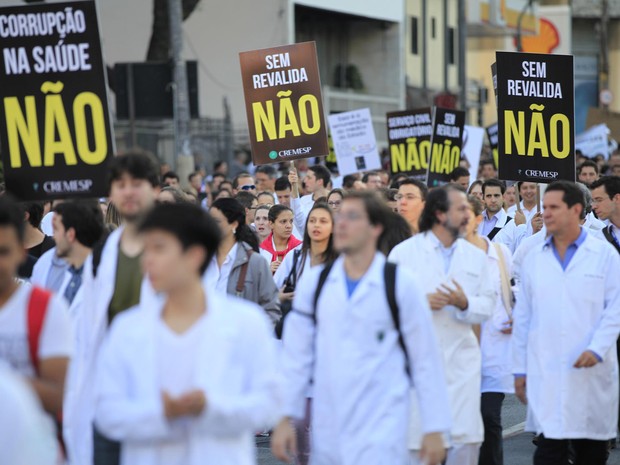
(159, 45)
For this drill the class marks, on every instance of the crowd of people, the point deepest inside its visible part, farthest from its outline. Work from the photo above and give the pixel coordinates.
(358, 320)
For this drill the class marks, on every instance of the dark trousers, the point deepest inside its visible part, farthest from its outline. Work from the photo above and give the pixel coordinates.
(106, 451)
(492, 451)
(584, 451)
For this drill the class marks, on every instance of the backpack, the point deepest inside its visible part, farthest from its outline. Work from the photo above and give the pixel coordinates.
(495, 230)
(389, 276)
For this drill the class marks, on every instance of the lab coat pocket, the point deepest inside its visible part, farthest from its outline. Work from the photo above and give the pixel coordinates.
(371, 335)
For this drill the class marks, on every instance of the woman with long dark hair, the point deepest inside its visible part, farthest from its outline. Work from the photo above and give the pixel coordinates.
(238, 268)
(281, 240)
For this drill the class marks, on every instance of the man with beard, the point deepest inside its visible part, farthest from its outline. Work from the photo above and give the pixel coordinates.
(460, 294)
(112, 284)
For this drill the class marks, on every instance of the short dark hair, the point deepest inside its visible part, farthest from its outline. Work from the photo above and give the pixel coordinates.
(138, 165)
(572, 195)
(587, 163)
(268, 170)
(414, 182)
(217, 165)
(234, 211)
(170, 175)
(438, 200)
(35, 212)
(178, 194)
(195, 173)
(245, 198)
(459, 172)
(477, 182)
(611, 184)
(369, 174)
(85, 217)
(487, 162)
(476, 204)
(493, 183)
(282, 183)
(190, 224)
(396, 179)
(349, 181)
(12, 216)
(276, 211)
(321, 173)
(219, 175)
(235, 181)
(379, 214)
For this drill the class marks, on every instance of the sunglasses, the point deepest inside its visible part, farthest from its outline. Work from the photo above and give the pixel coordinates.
(248, 187)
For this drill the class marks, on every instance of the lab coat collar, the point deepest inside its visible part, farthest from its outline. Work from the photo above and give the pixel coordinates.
(492, 250)
(372, 278)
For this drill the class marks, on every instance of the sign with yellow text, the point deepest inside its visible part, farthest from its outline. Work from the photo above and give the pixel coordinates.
(409, 136)
(54, 120)
(493, 141)
(282, 89)
(535, 107)
(446, 143)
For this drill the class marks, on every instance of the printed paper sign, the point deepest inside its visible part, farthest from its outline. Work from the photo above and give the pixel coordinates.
(354, 142)
(54, 125)
(493, 142)
(445, 145)
(473, 139)
(409, 136)
(536, 117)
(282, 90)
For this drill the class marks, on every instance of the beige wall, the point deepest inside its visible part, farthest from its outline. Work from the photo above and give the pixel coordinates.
(614, 64)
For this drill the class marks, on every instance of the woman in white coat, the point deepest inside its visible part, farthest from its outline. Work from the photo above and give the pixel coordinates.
(497, 380)
(438, 265)
(187, 381)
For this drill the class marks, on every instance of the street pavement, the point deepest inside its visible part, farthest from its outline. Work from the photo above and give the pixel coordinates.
(518, 447)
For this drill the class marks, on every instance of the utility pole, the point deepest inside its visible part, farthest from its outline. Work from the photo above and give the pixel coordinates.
(604, 33)
(182, 139)
(462, 20)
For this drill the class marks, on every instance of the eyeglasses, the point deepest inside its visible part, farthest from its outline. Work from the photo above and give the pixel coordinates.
(248, 187)
(335, 203)
(409, 197)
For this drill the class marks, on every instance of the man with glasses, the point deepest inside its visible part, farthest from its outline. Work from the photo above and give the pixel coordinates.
(244, 182)
(249, 202)
(410, 201)
(344, 339)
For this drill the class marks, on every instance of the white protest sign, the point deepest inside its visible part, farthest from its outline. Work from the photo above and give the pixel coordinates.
(473, 139)
(354, 142)
(593, 141)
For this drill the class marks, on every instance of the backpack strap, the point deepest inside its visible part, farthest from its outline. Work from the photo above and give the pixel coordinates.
(496, 229)
(319, 287)
(390, 289)
(98, 252)
(242, 274)
(610, 238)
(37, 308)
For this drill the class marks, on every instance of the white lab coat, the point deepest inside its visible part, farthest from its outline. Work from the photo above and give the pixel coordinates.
(361, 390)
(453, 327)
(91, 327)
(42, 268)
(235, 366)
(559, 315)
(495, 345)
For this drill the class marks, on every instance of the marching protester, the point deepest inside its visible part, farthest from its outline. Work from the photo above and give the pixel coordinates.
(349, 332)
(156, 394)
(261, 222)
(281, 240)
(566, 323)
(317, 182)
(528, 206)
(510, 197)
(238, 268)
(35, 328)
(476, 190)
(587, 172)
(249, 202)
(265, 176)
(282, 188)
(335, 198)
(112, 280)
(410, 201)
(460, 176)
(494, 337)
(606, 203)
(455, 277)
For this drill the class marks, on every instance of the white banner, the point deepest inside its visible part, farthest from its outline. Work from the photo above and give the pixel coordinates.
(593, 141)
(473, 139)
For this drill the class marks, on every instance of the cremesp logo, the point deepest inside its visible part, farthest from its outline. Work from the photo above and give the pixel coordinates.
(290, 152)
(67, 186)
(541, 174)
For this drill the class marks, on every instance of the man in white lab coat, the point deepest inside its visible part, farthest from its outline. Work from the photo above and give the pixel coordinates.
(460, 293)
(566, 323)
(189, 380)
(347, 340)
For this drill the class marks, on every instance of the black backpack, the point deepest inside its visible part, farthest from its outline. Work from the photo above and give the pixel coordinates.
(389, 275)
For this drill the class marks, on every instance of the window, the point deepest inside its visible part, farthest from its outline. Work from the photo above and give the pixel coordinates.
(432, 28)
(414, 35)
(451, 46)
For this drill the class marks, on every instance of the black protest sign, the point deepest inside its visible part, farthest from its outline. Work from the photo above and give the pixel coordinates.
(494, 79)
(446, 143)
(493, 142)
(409, 136)
(282, 89)
(536, 117)
(54, 124)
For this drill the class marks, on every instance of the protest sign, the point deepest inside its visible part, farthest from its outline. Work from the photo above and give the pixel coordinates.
(55, 125)
(493, 142)
(282, 90)
(593, 141)
(354, 142)
(473, 139)
(535, 117)
(409, 136)
(446, 145)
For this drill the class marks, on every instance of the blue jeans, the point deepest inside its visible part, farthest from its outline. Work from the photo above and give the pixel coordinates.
(106, 451)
